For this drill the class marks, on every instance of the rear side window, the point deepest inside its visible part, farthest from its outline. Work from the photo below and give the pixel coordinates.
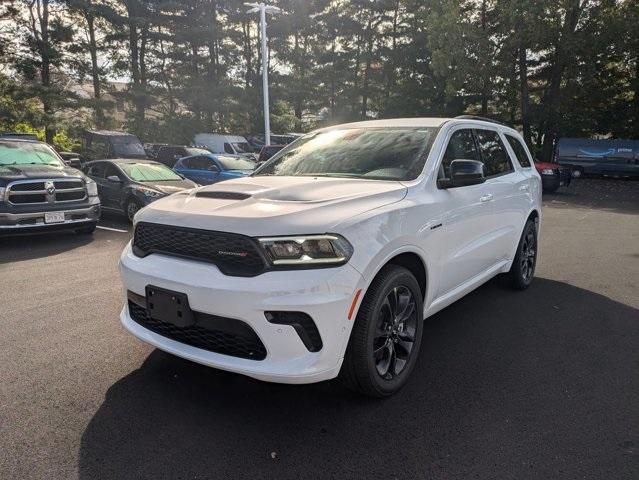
(461, 146)
(493, 152)
(520, 151)
(199, 163)
(97, 170)
(228, 148)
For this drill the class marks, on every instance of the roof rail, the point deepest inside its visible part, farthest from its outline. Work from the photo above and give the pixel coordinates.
(483, 119)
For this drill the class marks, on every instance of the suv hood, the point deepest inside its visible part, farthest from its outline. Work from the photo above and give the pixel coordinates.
(10, 173)
(266, 205)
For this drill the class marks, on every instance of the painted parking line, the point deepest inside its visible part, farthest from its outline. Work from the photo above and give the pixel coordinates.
(112, 229)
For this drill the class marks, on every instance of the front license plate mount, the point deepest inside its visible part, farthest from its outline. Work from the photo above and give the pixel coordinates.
(168, 306)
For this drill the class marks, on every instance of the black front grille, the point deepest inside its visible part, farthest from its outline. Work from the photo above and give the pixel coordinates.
(69, 196)
(215, 334)
(27, 187)
(233, 254)
(64, 184)
(28, 198)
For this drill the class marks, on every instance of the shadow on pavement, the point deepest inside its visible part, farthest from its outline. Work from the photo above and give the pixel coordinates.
(509, 385)
(39, 245)
(613, 195)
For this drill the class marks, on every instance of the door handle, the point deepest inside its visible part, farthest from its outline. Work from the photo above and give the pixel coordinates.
(523, 188)
(486, 198)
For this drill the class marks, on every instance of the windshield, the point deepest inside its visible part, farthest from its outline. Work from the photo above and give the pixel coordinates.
(26, 153)
(127, 145)
(149, 172)
(242, 147)
(377, 153)
(234, 163)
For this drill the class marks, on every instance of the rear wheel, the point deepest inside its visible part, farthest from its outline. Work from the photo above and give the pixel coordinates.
(386, 337)
(522, 270)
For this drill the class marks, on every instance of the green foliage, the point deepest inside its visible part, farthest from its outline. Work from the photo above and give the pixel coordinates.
(551, 68)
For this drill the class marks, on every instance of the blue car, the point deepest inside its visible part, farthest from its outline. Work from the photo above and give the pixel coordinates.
(211, 168)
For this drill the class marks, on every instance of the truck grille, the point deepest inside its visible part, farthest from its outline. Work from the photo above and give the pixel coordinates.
(215, 334)
(235, 255)
(28, 192)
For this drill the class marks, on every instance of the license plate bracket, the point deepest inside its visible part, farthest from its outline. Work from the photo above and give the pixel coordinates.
(169, 306)
(54, 217)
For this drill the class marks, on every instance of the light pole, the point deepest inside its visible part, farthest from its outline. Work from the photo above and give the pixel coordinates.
(264, 9)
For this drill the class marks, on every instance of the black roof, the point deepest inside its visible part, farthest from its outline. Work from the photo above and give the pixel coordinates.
(110, 133)
(23, 137)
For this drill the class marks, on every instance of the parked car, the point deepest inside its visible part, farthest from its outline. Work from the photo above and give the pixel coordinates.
(267, 152)
(257, 141)
(151, 149)
(222, 143)
(127, 185)
(38, 192)
(103, 144)
(209, 168)
(618, 158)
(169, 154)
(326, 259)
(553, 175)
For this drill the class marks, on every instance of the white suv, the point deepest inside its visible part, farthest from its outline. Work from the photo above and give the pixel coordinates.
(329, 257)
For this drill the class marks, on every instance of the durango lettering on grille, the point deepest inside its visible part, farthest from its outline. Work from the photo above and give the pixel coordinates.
(233, 254)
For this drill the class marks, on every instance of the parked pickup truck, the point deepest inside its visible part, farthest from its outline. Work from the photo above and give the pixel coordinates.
(39, 192)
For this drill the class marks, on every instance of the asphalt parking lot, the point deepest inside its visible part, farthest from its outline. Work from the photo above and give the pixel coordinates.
(536, 384)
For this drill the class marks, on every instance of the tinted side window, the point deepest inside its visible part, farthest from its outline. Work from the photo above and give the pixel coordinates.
(111, 170)
(493, 152)
(520, 151)
(200, 163)
(96, 170)
(100, 148)
(461, 146)
(228, 148)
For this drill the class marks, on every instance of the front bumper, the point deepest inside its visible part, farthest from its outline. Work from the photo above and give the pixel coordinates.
(324, 294)
(15, 222)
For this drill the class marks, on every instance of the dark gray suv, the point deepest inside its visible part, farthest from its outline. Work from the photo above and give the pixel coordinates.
(126, 185)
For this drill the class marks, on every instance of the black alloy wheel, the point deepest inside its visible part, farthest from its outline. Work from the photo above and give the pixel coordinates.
(395, 332)
(385, 340)
(522, 270)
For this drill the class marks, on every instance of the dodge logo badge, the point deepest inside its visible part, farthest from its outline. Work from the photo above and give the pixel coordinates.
(49, 187)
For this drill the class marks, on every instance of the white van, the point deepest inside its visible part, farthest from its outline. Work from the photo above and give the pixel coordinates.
(221, 143)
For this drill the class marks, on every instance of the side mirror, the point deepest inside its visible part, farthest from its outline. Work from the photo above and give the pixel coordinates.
(463, 173)
(73, 162)
(114, 179)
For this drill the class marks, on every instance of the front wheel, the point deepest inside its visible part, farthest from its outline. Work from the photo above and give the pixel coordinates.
(131, 208)
(522, 270)
(387, 334)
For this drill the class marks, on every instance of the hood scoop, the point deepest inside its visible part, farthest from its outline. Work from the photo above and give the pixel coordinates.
(222, 195)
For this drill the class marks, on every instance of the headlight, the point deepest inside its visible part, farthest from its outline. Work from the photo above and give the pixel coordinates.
(547, 171)
(148, 192)
(92, 188)
(307, 250)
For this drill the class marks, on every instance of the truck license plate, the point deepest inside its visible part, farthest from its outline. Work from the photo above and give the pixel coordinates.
(54, 217)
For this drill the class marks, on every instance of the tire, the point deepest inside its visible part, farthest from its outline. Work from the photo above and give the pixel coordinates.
(131, 208)
(88, 230)
(522, 270)
(380, 358)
